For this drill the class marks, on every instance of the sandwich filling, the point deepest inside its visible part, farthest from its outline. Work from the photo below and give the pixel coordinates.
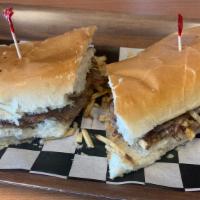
(187, 124)
(181, 127)
(65, 114)
(53, 123)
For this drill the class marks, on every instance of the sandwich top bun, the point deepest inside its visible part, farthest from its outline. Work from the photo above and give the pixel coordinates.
(157, 85)
(48, 71)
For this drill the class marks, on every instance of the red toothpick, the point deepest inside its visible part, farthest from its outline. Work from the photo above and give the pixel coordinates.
(180, 29)
(7, 13)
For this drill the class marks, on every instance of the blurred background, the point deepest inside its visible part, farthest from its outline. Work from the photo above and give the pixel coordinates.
(188, 8)
(127, 23)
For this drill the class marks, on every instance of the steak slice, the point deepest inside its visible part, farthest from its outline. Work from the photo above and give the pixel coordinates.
(178, 128)
(65, 114)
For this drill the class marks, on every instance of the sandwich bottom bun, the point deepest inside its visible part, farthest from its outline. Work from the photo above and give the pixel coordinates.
(47, 129)
(132, 158)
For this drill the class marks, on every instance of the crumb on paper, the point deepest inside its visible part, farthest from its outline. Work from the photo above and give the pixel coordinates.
(41, 142)
(84, 154)
(79, 146)
(143, 144)
(170, 156)
(75, 125)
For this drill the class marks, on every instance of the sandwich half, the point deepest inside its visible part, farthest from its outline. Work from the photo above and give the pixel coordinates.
(41, 94)
(156, 105)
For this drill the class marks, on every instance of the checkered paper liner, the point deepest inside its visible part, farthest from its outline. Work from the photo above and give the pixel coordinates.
(65, 159)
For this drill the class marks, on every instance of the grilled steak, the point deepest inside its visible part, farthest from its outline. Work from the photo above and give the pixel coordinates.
(65, 114)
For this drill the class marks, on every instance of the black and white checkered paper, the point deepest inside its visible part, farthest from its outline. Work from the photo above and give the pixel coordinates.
(65, 159)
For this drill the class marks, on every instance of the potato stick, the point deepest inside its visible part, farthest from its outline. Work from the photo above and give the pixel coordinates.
(143, 144)
(104, 103)
(98, 88)
(100, 60)
(79, 137)
(108, 99)
(96, 105)
(99, 94)
(190, 133)
(88, 109)
(195, 115)
(111, 144)
(103, 118)
(87, 139)
(70, 132)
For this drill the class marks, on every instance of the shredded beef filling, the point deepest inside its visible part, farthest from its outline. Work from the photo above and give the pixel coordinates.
(181, 127)
(176, 128)
(65, 114)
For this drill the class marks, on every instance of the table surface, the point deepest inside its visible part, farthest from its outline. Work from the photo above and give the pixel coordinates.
(88, 189)
(8, 192)
(129, 33)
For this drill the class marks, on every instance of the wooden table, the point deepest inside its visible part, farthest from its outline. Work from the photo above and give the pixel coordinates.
(8, 192)
(114, 29)
(87, 189)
